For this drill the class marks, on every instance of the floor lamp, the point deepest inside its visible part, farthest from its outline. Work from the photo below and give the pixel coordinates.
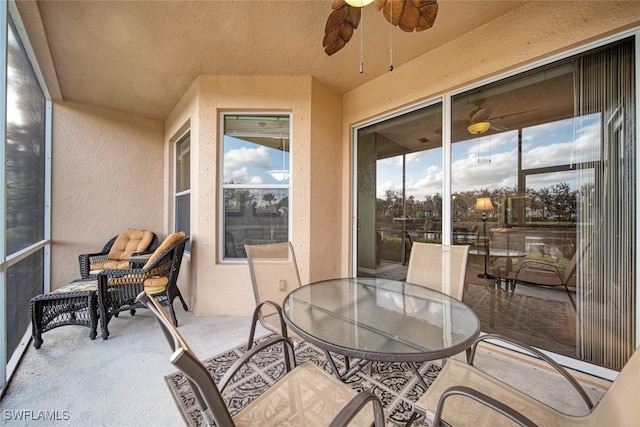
(484, 204)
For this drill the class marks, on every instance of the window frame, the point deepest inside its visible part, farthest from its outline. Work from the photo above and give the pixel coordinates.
(184, 136)
(222, 186)
(7, 260)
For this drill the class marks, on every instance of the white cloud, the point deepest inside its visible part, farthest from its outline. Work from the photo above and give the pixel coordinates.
(429, 185)
(484, 172)
(241, 157)
(238, 161)
(240, 174)
(383, 187)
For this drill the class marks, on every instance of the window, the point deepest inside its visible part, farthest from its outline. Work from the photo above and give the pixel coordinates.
(183, 186)
(255, 181)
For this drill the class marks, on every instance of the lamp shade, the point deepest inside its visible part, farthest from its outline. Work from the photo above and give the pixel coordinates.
(484, 203)
(358, 3)
(478, 128)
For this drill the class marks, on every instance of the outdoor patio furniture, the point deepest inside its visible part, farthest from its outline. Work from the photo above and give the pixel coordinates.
(274, 273)
(73, 304)
(463, 395)
(373, 319)
(407, 244)
(118, 289)
(544, 273)
(304, 396)
(439, 267)
(116, 252)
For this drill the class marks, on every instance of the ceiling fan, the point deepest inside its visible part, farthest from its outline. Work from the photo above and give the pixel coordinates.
(408, 15)
(480, 120)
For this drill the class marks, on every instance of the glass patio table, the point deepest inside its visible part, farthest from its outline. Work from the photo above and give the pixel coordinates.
(375, 319)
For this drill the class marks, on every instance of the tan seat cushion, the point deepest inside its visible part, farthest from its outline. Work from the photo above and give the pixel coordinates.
(128, 242)
(170, 240)
(108, 265)
(155, 285)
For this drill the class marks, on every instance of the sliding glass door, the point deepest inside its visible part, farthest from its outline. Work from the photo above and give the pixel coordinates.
(543, 178)
(399, 189)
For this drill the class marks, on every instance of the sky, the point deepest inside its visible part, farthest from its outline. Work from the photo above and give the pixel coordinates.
(480, 163)
(489, 162)
(249, 163)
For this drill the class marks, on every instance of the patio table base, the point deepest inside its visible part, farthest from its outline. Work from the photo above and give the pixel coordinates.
(73, 304)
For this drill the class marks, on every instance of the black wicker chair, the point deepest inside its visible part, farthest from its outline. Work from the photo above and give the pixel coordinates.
(118, 289)
(86, 260)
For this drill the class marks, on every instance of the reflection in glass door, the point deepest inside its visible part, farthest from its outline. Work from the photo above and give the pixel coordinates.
(543, 182)
(559, 240)
(399, 190)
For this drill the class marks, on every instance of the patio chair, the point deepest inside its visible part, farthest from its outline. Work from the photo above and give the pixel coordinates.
(407, 244)
(306, 395)
(118, 289)
(274, 273)
(463, 395)
(117, 251)
(439, 267)
(543, 273)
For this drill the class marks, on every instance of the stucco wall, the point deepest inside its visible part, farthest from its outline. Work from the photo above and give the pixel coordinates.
(527, 35)
(107, 175)
(325, 184)
(183, 117)
(225, 288)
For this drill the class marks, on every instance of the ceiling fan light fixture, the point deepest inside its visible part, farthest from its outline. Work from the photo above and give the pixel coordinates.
(358, 3)
(279, 174)
(479, 127)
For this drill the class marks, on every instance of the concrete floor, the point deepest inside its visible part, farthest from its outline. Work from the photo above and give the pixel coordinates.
(120, 381)
(117, 382)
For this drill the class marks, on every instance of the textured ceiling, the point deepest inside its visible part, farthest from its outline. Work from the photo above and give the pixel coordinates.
(141, 56)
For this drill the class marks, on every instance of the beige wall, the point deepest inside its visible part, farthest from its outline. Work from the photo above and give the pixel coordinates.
(324, 165)
(225, 288)
(525, 36)
(107, 175)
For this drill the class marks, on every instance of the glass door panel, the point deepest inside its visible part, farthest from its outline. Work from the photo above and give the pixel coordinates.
(542, 183)
(399, 190)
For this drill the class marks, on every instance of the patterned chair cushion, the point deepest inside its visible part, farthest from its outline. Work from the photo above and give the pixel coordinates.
(78, 286)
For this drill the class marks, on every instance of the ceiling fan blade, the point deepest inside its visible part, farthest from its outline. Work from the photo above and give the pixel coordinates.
(409, 15)
(513, 114)
(480, 115)
(456, 125)
(340, 25)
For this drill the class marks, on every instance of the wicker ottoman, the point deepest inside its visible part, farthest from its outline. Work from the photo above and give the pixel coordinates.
(73, 304)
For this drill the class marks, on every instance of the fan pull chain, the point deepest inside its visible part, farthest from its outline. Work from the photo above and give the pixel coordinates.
(361, 39)
(391, 38)
(490, 137)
